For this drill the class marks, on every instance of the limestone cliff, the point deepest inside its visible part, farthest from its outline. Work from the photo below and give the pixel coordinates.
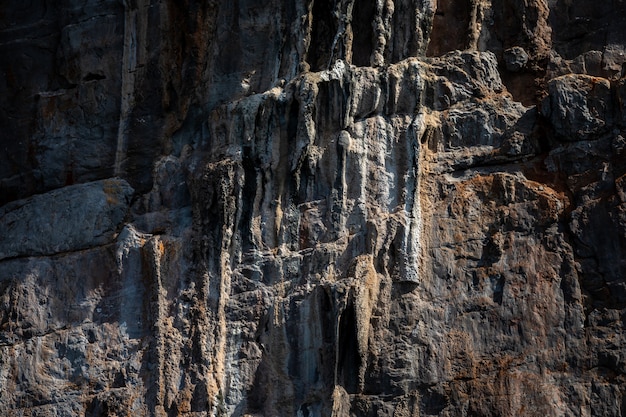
(313, 208)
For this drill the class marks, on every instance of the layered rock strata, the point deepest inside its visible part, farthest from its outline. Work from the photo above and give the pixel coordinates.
(313, 208)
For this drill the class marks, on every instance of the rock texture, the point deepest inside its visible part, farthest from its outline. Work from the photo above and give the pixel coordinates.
(313, 208)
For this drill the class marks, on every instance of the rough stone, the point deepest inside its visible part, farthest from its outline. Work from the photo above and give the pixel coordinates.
(313, 208)
(579, 107)
(515, 58)
(64, 220)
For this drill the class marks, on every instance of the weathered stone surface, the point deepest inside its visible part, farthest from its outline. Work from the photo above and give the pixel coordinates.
(68, 219)
(313, 208)
(579, 107)
(515, 58)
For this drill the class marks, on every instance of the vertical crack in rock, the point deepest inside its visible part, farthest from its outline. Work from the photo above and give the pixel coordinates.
(135, 27)
(364, 36)
(348, 355)
(451, 27)
(324, 30)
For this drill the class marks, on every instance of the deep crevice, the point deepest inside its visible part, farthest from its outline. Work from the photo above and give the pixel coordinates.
(323, 32)
(362, 44)
(248, 195)
(94, 77)
(450, 27)
(348, 359)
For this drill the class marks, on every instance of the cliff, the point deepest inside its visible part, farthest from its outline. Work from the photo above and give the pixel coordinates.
(313, 208)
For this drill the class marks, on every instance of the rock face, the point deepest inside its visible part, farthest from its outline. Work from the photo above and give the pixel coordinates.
(313, 208)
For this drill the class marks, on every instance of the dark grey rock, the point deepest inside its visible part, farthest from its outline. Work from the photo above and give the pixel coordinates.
(64, 220)
(313, 208)
(579, 107)
(515, 58)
